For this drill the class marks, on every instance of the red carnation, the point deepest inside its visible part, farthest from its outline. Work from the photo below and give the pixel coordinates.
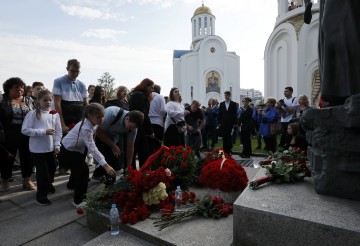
(183, 164)
(53, 111)
(133, 218)
(71, 126)
(79, 210)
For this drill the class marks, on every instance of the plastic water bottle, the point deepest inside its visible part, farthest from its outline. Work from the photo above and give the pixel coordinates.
(114, 220)
(178, 198)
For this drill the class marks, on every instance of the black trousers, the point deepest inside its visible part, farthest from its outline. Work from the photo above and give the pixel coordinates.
(246, 141)
(173, 137)
(15, 141)
(79, 174)
(270, 143)
(116, 163)
(209, 131)
(73, 112)
(227, 139)
(141, 148)
(45, 171)
(155, 144)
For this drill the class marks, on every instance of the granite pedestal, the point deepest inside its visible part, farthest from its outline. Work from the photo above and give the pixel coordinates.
(294, 214)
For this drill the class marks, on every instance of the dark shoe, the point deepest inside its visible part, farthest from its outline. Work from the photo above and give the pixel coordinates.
(52, 190)
(43, 202)
(63, 171)
(244, 156)
(70, 186)
(98, 178)
(204, 148)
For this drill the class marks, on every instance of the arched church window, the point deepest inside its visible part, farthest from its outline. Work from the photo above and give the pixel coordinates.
(194, 31)
(205, 25)
(210, 31)
(192, 93)
(199, 26)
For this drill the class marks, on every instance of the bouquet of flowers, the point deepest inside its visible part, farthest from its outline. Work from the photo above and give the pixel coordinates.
(290, 155)
(214, 155)
(209, 207)
(135, 194)
(224, 174)
(180, 160)
(281, 172)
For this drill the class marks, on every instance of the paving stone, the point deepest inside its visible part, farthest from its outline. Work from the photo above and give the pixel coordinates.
(9, 210)
(70, 234)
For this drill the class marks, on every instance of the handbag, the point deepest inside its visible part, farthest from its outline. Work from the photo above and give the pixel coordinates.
(275, 128)
(180, 125)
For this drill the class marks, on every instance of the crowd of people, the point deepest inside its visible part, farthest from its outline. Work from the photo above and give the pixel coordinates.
(70, 126)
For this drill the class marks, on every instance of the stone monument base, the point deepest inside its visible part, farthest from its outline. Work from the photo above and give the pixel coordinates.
(294, 214)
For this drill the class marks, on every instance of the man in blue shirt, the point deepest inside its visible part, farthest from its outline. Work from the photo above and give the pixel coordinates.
(70, 99)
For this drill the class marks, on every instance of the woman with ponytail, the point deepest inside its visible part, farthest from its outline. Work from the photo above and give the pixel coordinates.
(77, 143)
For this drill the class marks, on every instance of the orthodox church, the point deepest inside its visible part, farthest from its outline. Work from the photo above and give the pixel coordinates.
(291, 53)
(207, 70)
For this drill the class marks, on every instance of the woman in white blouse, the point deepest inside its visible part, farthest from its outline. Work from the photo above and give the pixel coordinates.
(175, 113)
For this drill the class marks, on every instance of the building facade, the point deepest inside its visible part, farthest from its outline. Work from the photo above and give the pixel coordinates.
(291, 53)
(207, 70)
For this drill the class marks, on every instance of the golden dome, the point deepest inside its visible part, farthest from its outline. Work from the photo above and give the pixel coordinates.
(202, 10)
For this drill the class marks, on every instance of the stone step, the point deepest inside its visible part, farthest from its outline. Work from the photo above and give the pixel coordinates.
(123, 238)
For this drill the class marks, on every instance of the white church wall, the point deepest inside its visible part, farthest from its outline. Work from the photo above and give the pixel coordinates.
(308, 55)
(189, 68)
(176, 72)
(281, 61)
(232, 77)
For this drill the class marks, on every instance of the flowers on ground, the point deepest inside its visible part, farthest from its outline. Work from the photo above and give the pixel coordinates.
(225, 175)
(209, 207)
(180, 160)
(155, 195)
(287, 166)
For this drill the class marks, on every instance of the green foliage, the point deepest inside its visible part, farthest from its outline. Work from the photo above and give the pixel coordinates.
(102, 200)
(281, 172)
(107, 81)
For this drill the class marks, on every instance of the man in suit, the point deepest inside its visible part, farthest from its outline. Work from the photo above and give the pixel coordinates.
(227, 119)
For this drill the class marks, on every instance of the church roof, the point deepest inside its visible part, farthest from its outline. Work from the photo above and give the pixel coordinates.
(202, 10)
(180, 53)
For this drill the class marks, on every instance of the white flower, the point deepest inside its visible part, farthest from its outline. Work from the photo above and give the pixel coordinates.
(155, 195)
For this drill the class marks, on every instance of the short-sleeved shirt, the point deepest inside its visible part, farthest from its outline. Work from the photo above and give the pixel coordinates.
(292, 102)
(73, 91)
(113, 130)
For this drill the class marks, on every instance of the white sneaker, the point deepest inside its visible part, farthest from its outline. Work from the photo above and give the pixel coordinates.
(80, 205)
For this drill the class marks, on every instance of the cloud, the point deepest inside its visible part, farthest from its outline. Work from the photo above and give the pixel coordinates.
(38, 59)
(92, 13)
(161, 3)
(103, 33)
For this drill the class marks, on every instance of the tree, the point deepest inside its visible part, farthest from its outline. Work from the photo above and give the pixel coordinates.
(107, 81)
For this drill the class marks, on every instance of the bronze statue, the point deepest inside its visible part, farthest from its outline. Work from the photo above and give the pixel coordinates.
(339, 52)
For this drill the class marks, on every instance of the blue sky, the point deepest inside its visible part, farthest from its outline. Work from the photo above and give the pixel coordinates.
(129, 39)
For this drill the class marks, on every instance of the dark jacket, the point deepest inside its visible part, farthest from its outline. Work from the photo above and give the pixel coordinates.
(246, 120)
(117, 103)
(138, 101)
(6, 112)
(227, 118)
